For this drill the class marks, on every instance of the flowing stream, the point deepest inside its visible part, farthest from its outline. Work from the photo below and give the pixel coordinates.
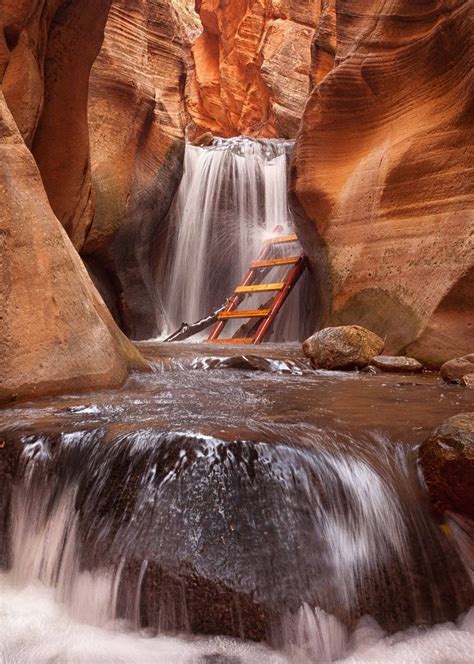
(135, 523)
(232, 197)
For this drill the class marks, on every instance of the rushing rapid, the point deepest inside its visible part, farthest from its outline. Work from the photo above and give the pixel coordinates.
(164, 533)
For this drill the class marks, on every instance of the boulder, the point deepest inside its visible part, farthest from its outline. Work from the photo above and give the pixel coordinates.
(447, 461)
(396, 364)
(457, 368)
(468, 380)
(345, 347)
(184, 521)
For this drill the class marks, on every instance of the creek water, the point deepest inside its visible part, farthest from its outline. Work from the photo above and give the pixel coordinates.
(232, 197)
(186, 518)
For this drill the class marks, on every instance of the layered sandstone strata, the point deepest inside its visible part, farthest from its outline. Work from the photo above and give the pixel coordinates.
(137, 122)
(252, 67)
(382, 176)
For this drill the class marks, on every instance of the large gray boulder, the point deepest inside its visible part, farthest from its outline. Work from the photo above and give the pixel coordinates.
(457, 368)
(345, 347)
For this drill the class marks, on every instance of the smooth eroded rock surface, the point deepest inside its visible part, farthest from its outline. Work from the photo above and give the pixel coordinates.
(447, 461)
(252, 67)
(345, 347)
(137, 121)
(397, 364)
(45, 61)
(56, 333)
(382, 180)
(457, 368)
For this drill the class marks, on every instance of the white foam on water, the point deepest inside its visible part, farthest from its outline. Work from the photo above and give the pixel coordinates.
(37, 629)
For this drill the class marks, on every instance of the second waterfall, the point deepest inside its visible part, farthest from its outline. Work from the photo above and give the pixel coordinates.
(233, 196)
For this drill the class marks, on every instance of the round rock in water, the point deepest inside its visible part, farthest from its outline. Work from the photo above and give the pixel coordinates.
(457, 368)
(447, 460)
(345, 347)
(468, 380)
(396, 364)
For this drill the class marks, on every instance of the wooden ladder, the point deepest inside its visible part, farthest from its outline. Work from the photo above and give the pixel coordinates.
(258, 269)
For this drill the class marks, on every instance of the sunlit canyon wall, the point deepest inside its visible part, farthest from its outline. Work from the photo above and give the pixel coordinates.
(383, 175)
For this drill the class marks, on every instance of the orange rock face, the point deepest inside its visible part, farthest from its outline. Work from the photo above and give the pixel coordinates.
(45, 45)
(252, 67)
(381, 173)
(56, 334)
(137, 122)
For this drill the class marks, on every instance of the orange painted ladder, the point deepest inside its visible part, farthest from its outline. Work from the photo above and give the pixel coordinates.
(258, 268)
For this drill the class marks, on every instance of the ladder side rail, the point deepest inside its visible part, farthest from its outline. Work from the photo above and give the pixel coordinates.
(237, 298)
(280, 298)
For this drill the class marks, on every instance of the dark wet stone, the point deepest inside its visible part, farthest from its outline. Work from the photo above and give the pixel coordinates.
(252, 363)
(396, 364)
(447, 461)
(232, 537)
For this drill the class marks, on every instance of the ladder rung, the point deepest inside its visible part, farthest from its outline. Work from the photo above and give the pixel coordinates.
(285, 260)
(250, 313)
(261, 288)
(245, 340)
(281, 239)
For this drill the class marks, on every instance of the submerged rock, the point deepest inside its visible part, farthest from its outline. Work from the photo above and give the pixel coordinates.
(447, 460)
(251, 363)
(457, 368)
(396, 364)
(345, 347)
(207, 536)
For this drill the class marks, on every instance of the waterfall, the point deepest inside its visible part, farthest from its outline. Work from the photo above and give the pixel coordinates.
(233, 196)
(175, 532)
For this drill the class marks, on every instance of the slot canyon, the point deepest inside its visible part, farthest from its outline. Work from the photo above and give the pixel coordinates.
(236, 331)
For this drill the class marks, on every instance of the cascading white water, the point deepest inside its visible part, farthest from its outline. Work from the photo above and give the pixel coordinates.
(90, 520)
(233, 196)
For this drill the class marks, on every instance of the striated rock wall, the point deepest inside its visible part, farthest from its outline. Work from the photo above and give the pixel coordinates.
(382, 175)
(252, 67)
(137, 122)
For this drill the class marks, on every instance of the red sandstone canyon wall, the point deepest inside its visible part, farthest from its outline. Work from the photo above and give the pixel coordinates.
(137, 124)
(383, 174)
(55, 332)
(252, 66)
